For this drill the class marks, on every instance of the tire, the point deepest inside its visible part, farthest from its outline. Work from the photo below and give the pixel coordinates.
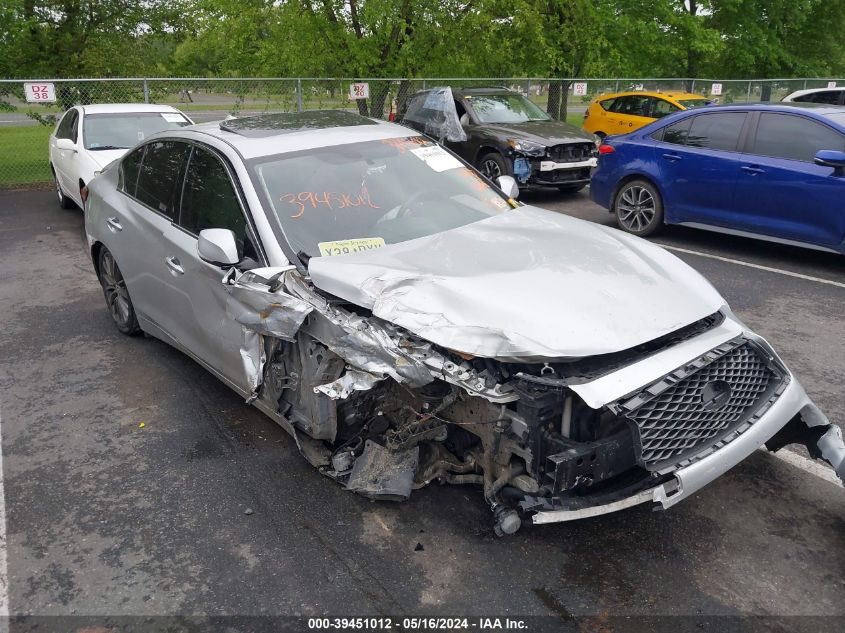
(64, 201)
(571, 188)
(638, 208)
(117, 295)
(493, 165)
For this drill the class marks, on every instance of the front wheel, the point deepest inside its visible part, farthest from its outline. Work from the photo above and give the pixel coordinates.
(638, 208)
(117, 296)
(493, 165)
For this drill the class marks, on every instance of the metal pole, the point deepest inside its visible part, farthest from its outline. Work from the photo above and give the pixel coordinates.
(692, 86)
(805, 84)
(528, 87)
(299, 95)
(146, 91)
(748, 95)
(617, 86)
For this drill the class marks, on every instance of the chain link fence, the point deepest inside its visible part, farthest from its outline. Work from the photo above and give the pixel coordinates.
(25, 125)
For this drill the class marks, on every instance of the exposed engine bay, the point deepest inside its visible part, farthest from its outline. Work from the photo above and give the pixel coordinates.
(384, 412)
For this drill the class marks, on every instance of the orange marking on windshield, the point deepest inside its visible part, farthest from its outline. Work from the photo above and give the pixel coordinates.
(330, 199)
(477, 183)
(401, 144)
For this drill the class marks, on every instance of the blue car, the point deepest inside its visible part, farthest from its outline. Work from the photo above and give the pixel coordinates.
(775, 172)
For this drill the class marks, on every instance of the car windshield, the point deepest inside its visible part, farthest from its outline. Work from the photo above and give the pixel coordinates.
(341, 199)
(505, 108)
(689, 104)
(836, 117)
(125, 129)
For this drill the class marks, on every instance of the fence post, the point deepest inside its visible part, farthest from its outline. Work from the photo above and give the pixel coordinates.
(617, 86)
(692, 86)
(748, 95)
(299, 95)
(805, 84)
(528, 87)
(146, 91)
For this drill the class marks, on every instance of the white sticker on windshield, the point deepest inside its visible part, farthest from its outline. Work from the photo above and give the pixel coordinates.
(437, 158)
(173, 117)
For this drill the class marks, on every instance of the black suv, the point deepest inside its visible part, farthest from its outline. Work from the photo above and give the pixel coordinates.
(502, 132)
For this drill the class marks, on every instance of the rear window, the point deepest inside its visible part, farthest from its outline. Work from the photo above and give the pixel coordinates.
(829, 97)
(607, 104)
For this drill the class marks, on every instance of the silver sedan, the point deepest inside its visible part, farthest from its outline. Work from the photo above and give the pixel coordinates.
(408, 322)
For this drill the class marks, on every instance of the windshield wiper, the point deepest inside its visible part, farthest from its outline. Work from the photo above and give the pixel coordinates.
(94, 149)
(303, 257)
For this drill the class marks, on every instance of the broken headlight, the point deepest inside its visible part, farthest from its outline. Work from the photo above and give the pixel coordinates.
(529, 148)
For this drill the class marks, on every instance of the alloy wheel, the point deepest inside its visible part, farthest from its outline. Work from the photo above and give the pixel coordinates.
(491, 169)
(636, 208)
(114, 287)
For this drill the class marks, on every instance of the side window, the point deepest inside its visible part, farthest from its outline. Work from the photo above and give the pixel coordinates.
(794, 137)
(159, 173)
(209, 201)
(66, 126)
(619, 104)
(660, 108)
(127, 177)
(607, 104)
(634, 106)
(716, 131)
(677, 132)
(830, 97)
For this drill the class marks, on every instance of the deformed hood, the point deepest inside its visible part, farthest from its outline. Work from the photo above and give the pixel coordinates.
(548, 133)
(527, 284)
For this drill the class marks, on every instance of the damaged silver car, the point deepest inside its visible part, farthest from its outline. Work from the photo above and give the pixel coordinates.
(407, 322)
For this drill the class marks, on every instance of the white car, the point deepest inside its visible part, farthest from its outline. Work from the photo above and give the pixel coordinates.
(89, 137)
(827, 96)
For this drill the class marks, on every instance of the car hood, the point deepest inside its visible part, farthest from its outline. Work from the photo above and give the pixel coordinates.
(525, 285)
(548, 133)
(105, 156)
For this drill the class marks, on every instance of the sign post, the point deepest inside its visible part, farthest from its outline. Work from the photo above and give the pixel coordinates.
(39, 92)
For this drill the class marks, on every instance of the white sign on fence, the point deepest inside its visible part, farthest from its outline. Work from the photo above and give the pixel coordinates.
(716, 89)
(831, 84)
(579, 89)
(40, 92)
(359, 91)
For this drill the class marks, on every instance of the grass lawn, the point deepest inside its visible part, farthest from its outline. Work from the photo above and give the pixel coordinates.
(23, 155)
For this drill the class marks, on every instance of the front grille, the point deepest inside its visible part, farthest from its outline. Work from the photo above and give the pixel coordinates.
(689, 415)
(571, 152)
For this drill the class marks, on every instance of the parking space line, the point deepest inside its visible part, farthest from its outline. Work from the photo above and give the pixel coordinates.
(4, 576)
(739, 262)
(819, 469)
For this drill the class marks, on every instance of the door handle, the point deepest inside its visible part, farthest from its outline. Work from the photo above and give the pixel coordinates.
(114, 225)
(672, 157)
(751, 169)
(174, 265)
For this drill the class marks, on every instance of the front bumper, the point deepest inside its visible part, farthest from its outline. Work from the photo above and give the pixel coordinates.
(689, 479)
(549, 173)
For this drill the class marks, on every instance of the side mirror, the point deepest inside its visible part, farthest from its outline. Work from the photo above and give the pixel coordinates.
(509, 186)
(218, 247)
(66, 144)
(831, 158)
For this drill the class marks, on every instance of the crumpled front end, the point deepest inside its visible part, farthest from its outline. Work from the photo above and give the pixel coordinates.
(385, 412)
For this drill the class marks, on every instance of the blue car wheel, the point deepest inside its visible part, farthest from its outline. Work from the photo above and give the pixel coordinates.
(638, 208)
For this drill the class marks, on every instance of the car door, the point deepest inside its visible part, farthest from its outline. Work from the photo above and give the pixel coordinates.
(698, 158)
(630, 113)
(196, 311)
(781, 191)
(150, 208)
(64, 160)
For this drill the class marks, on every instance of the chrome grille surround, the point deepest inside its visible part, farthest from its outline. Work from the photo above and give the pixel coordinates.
(676, 424)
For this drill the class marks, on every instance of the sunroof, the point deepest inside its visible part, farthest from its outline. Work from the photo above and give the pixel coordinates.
(287, 122)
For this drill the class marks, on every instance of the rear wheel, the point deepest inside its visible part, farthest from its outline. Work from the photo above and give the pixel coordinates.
(638, 208)
(117, 296)
(64, 201)
(493, 165)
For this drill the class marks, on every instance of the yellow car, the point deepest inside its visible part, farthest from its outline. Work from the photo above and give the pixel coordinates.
(623, 112)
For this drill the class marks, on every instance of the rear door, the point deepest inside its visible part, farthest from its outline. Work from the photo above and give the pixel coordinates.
(699, 160)
(630, 113)
(780, 190)
(150, 209)
(196, 310)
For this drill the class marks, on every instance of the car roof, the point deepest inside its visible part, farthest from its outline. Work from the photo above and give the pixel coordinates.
(651, 93)
(809, 91)
(116, 108)
(280, 133)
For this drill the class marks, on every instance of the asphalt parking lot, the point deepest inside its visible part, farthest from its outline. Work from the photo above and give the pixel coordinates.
(136, 484)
